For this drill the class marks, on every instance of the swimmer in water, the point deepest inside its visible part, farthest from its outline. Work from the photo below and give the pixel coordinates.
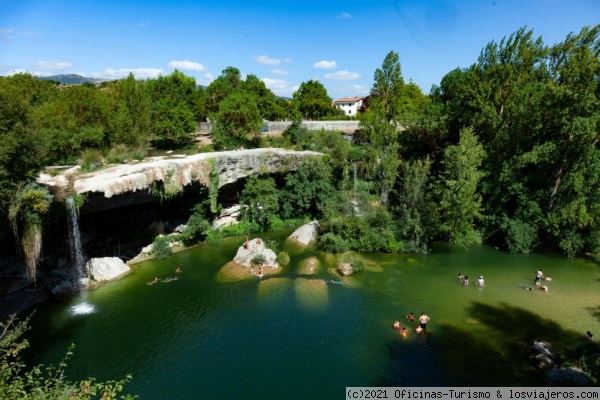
(156, 280)
(335, 282)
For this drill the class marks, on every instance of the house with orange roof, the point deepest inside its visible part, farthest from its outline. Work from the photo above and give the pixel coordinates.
(349, 105)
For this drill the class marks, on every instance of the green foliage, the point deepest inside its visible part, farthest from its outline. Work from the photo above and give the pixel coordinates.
(258, 259)
(521, 237)
(312, 101)
(44, 382)
(283, 258)
(213, 189)
(458, 201)
(307, 189)
(161, 247)
(196, 229)
(261, 197)
(332, 243)
(91, 160)
(358, 264)
(238, 121)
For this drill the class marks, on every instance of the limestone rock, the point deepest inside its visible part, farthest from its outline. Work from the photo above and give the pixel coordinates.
(306, 233)
(244, 256)
(228, 216)
(570, 376)
(541, 355)
(106, 268)
(345, 269)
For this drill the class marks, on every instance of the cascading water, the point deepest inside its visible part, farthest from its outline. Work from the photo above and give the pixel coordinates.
(355, 201)
(77, 258)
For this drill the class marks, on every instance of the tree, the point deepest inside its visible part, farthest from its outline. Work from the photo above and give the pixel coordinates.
(415, 208)
(458, 201)
(307, 189)
(238, 121)
(174, 100)
(312, 101)
(380, 124)
(261, 197)
(228, 82)
(134, 112)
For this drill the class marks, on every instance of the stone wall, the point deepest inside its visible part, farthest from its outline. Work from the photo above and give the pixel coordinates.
(280, 126)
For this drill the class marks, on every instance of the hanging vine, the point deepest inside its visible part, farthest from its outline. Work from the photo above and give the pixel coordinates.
(213, 189)
(25, 211)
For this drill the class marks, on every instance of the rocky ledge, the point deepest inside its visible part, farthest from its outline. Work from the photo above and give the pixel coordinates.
(174, 172)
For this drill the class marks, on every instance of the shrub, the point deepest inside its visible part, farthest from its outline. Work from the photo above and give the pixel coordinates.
(358, 264)
(258, 259)
(195, 230)
(283, 258)
(332, 243)
(161, 247)
(520, 236)
(91, 159)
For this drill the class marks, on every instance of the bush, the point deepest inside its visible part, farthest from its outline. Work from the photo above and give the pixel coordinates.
(258, 259)
(91, 159)
(196, 230)
(358, 264)
(283, 258)
(332, 243)
(161, 247)
(520, 236)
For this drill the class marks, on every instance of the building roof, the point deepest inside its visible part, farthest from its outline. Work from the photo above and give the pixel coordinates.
(348, 100)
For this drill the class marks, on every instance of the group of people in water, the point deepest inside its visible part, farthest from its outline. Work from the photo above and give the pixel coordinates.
(423, 319)
(167, 279)
(465, 280)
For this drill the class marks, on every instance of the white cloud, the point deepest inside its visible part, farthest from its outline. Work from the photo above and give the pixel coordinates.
(8, 70)
(267, 60)
(187, 65)
(279, 86)
(279, 72)
(139, 73)
(209, 76)
(343, 76)
(324, 64)
(52, 65)
(345, 15)
(143, 24)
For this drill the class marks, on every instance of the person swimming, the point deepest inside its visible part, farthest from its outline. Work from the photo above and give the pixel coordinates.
(404, 332)
(396, 325)
(169, 279)
(410, 316)
(156, 280)
(178, 270)
(339, 282)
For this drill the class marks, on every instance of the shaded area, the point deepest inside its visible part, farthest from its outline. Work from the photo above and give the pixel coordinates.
(594, 311)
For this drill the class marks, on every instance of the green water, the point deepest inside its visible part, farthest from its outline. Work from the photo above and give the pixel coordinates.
(215, 333)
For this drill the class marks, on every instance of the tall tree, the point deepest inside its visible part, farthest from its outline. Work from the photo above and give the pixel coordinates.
(134, 112)
(458, 199)
(238, 121)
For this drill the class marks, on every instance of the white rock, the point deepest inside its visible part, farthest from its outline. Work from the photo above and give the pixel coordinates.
(106, 268)
(306, 233)
(245, 255)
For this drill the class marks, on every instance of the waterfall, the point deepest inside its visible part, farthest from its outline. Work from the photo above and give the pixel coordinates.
(77, 258)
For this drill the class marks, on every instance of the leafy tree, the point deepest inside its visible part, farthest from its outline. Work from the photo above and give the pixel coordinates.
(228, 82)
(458, 200)
(261, 197)
(174, 100)
(312, 101)
(307, 189)
(134, 112)
(238, 121)
(414, 207)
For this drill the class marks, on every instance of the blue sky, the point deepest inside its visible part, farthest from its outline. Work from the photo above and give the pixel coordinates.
(284, 43)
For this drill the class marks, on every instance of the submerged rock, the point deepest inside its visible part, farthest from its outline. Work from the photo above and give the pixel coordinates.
(541, 355)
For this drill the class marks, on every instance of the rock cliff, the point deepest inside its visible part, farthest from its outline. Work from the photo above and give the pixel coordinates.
(174, 173)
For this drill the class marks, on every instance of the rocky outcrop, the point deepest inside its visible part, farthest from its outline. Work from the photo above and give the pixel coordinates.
(173, 173)
(106, 269)
(306, 233)
(541, 355)
(344, 268)
(254, 250)
(228, 216)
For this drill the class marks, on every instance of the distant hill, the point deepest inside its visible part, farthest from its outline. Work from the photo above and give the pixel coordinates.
(72, 79)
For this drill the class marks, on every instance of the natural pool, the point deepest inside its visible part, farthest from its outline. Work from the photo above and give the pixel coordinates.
(217, 334)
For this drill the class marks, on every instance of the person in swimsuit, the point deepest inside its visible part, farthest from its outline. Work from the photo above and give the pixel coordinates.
(410, 316)
(423, 319)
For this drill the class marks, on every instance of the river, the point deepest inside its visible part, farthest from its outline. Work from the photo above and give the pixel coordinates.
(217, 333)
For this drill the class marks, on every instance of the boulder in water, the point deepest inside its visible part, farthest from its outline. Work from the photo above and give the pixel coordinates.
(254, 250)
(106, 269)
(570, 376)
(306, 233)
